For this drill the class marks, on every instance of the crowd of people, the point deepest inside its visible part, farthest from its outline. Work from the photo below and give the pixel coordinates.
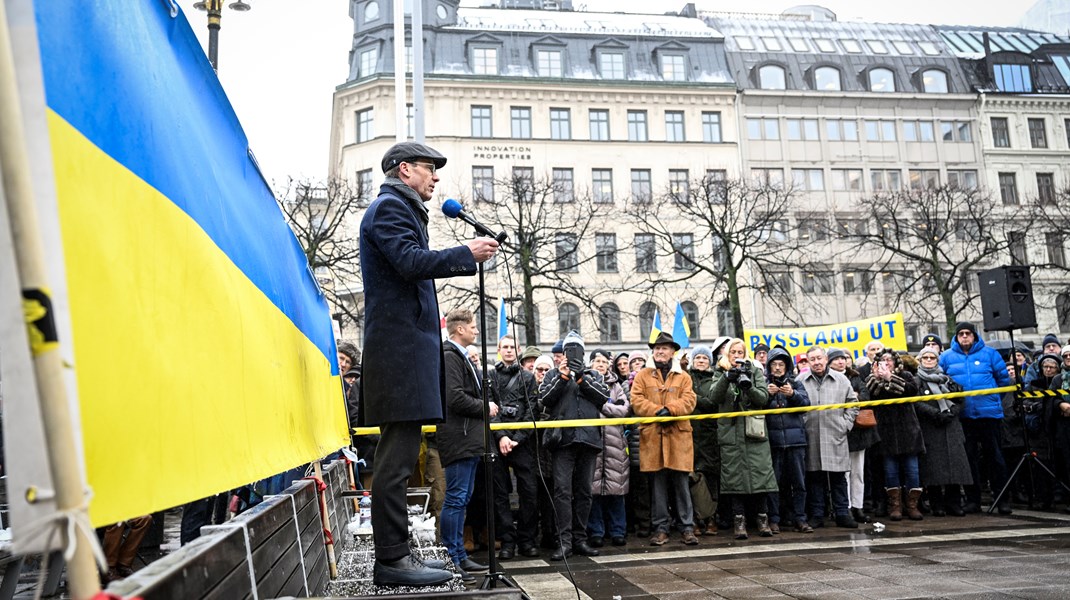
(579, 488)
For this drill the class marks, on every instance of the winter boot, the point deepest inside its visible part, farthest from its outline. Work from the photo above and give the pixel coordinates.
(895, 509)
(740, 523)
(763, 525)
(912, 504)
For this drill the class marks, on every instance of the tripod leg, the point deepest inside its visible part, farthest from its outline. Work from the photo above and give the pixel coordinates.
(1007, 485)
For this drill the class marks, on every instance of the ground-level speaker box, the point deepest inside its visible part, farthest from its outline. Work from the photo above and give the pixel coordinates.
(1007, 298)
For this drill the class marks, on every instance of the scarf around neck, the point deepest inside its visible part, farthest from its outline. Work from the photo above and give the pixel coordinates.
(936, 381)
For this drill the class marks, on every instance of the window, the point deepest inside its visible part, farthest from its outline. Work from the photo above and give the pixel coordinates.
(962, 178)
(714, 186)
(371, 11)
(955, 131)
(679, 186)
(880, 131)
(645, 254)
(802, 129)
(827, 79)
(934, 81)
(563, 185)
(410, 123)
(772, 77)
(819, 282)
(485, 61)
(521, 328)
(611, 65)
(1062, 309)
(745, 43)
(711, 127)
(1038, 137)
(368, 60)
(1001, 135)
(967, 229)
(720, 255)
(1016, 242)
(560, 124)
(1013, 78)
(566, 247)
(481, 124)
(902, 47)
(365, 123)
(881, 80)
(769, 177)
(672, 67)
(857, 282)
(776, 231)
(1008, 188)
(609, 323)
(813, 230)
(771, 44)
(726, 318)
(599, 125)
(602, 186)
(548, 63)
(929, 48)
(847, 228)
(919, 131)
(483, 183)
(637, 126)
(568, 319)
(408, 57)
(605, 248)
(364, 186)
(683, 245)
(647, 310)
(520, 118)
(840, 129)
(798, 44)
(1066, 127)
(885, 180)
(808, 179)
(691, 314)
(848, 180)
(488, 323)
(1053, 241)
(1046, 188)
(777, 283)
(851, 46)
(763, 129)
(924, 178)
(877, 47)
(825, 45)
(674, 126)
(523, 182)
(641, 185)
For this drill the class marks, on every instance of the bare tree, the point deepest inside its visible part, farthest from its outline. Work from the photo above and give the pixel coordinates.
(546, 221)
(319, 214)
(932, 240)
(735, 233)
(1049, 217)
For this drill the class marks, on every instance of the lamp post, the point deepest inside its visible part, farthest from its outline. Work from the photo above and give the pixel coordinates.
(214, 8)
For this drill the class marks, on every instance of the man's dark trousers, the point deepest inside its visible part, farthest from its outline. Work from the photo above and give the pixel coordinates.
(983, 441)
(522, 529)
(399, 449)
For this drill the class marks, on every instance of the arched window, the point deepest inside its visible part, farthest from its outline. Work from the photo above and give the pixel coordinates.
(827, 79)
(521, 328)
(934, 81)
(1062, 308)
(609, 322)
(647, 310)
(881, 80)
(568, 318)
(725, 320)
(488, 324)
(772, 77)
(691, 314)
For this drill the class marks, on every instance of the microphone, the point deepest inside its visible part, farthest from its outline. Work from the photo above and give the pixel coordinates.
(453, 209)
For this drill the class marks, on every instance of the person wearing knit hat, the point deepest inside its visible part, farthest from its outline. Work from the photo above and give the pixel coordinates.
(1050, 345)
(944, 467)
(621, 370)
(835, 353)
(600, 352)
(527, 359)
(636, 360)
(704, 436)
(933, 341)
(761, 351)
(543, 365)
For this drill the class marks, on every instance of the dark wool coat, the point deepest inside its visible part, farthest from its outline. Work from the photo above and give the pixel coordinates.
(516, 392)
(401, 314)
(786, 430)
(704, 431)
(945, 461)
(746, 464)
(612, 465)
(461, 436)
(1040, 416)
(860, 438)
(664, 445)
(565, 399)
(897, 423)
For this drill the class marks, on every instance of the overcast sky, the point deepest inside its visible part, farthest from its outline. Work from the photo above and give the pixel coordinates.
(280, 62)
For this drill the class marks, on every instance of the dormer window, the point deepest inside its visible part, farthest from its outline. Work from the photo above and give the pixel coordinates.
(827, 79)
(548, 63)
(371, 11)
(772, 77)
(881, 80)
(673, 67)
(1013, 77)
(484, 60)
(934, 81)
(611, 64)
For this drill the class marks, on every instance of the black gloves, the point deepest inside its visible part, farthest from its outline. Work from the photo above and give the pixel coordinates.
(732, 375)
(945, 417)
(576, 366)
(663, 412)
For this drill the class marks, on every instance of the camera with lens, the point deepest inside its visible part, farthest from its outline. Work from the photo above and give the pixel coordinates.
(743, 379)
(510, 412)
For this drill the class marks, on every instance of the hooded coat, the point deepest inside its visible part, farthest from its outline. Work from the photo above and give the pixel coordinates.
(664, 445)
(746, 464)
(897, 423)
(979, 368)
(945, 461)
(612, 465)
(787, 430)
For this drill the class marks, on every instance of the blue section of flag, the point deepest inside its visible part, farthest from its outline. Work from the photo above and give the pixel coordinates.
(681, 331)
(655, 329)
(503, 319)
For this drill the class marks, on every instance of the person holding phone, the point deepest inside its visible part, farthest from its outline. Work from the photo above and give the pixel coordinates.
(900, 433)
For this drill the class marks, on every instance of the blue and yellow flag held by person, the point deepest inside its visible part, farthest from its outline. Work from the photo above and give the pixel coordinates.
(203, 348)
(503, 319)
(681, 331)
(655, 328)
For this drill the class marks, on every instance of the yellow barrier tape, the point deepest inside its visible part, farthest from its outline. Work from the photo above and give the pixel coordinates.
(1042, 393)
(727, 415)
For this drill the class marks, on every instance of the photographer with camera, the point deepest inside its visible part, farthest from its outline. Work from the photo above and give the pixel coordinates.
(746, 460)
(571, 392)
(787, 440)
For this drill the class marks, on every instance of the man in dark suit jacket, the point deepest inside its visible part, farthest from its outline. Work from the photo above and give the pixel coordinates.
(401, 318)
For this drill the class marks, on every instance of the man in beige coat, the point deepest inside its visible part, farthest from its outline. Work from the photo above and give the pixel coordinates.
(666, 449)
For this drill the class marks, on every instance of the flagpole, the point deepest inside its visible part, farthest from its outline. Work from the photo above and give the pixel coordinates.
(82, 576)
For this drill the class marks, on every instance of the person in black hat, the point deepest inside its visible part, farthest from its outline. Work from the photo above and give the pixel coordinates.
(1050, 345)
(932, 342)
(761, 351)
(401, 318)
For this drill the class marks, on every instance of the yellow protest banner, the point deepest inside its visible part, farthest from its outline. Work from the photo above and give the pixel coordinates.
(850, 337)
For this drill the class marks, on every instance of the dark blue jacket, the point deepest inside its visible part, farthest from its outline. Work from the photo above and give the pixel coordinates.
(980, 369)
(786, 430)
(402, 375)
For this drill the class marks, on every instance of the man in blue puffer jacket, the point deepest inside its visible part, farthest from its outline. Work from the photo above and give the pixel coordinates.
(975, 366)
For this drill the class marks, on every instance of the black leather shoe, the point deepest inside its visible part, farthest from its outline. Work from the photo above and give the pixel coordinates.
(583, 549)
(408, 571)
(466, 577)
(561, 553)
(859, 515)
(619, 540)
(971, 508)
(955, 510)
(596, 542)
(432, 563)
(846, 522)
(1004, 508)
(473, 567)
(506, 553)
(529, 551)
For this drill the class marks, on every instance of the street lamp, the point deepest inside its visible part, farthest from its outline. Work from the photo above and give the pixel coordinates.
(214, 8)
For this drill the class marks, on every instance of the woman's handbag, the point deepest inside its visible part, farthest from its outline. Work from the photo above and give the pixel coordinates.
(866, 418)
(755, 428)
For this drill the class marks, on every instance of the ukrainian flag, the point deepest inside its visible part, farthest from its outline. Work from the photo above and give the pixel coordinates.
(681, 331)
(655, 329)
(203, 348)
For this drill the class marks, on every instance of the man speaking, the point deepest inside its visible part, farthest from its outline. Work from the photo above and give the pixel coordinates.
(401, 319)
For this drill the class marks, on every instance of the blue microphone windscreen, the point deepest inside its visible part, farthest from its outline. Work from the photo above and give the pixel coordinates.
(451, 208)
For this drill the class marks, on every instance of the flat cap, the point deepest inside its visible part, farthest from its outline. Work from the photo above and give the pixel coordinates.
(407, 151)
